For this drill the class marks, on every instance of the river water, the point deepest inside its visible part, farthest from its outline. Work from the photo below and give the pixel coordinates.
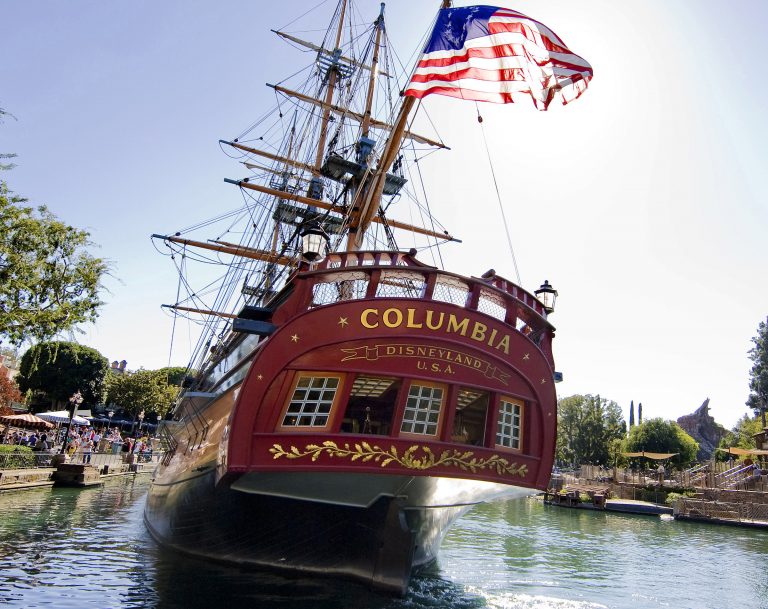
(62, 548)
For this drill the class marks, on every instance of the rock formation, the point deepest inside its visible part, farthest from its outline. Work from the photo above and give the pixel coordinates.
(702, 428)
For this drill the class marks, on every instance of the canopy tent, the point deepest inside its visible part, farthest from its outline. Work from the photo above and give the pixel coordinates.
(62, 416)
(743, 452)
(25, 420)
(655, 456)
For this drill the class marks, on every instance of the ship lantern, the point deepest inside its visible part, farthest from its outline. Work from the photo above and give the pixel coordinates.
(547, 295)
(314, 242)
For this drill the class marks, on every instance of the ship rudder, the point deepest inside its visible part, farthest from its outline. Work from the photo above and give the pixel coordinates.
(394, 558)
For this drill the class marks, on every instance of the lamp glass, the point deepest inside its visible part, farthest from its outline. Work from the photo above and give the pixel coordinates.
(314, 243)
(547, 295)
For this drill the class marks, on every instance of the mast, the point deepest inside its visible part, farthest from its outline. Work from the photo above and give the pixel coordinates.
(315, 187)
(371, 201)
(365, 127)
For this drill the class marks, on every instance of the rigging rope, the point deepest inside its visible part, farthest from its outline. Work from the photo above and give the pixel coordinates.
(175, 316)
(498, 196)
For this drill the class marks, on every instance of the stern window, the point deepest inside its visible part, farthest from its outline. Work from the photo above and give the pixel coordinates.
(422, 410)
(510, 424)
(371, 405)
(470, 417)
(311, 402)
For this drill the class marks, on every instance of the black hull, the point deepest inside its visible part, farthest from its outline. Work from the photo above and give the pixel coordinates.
(377, 546)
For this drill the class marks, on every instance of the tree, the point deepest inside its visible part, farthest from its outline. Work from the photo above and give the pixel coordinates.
(174, 375)
(631, 414)
(6, 155)
(9, 392)
(59, 369)
(49, 283)
(640, 413)
(758, 375)
(587, 425)
(741, 436)
(660, 436)
(146, 390)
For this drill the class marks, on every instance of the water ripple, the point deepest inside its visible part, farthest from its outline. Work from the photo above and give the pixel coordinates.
(86, 549)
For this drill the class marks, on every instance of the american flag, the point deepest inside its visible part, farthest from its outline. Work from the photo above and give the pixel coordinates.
(487, 53)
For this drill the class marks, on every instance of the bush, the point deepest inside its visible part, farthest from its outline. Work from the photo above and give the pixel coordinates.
(672, 497)
(13, 456)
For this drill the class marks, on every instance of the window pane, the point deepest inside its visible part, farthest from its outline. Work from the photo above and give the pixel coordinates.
(422, 410)
(311, 407)
(508, 428)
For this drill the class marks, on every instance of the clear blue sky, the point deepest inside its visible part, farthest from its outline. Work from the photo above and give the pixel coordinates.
(643, 203)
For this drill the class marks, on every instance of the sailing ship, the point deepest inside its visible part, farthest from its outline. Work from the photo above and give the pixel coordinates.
(348, 401)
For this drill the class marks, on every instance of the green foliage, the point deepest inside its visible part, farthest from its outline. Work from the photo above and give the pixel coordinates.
(141, 390)
(741, 436)
(758, 374)
(49, 283)
(587, 426)
(59, 369)
(660, 436)
(174, 374)
(21, 456)
(672, 497)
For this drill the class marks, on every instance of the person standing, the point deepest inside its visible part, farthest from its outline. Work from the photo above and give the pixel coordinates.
(87, 449)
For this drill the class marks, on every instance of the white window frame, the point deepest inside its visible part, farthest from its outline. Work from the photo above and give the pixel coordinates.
(509, 424)
(295, 397)
(413, 420)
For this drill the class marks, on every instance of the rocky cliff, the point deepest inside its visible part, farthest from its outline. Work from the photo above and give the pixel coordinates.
(701, 426)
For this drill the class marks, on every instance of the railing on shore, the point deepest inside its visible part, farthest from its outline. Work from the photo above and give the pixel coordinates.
(721, 510)
(720, 475)
(104, 461)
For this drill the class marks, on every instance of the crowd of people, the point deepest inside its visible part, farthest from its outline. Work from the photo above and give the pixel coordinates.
(82, 442)
(37, 440)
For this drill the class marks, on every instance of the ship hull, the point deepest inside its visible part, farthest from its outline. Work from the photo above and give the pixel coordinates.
(378, 545)
(348, 441)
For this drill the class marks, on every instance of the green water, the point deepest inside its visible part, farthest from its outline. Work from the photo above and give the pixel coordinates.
(88, 549)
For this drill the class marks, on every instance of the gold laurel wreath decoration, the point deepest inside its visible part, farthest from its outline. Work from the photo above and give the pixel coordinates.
(409, 459)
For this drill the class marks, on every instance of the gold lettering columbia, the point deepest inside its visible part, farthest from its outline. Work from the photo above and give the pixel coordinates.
(436, 321)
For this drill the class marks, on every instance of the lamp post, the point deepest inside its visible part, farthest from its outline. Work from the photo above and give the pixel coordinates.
(157, 426)
(547, 295)
(314, 241)
(110, 414)
(140, 416)
(74, 402)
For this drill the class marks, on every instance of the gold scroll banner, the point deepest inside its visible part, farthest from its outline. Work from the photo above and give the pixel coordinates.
(451, 356)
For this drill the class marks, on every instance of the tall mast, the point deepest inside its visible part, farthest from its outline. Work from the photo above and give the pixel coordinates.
(270, 270)
(371, 199)
(365, 127)
(332, 76)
